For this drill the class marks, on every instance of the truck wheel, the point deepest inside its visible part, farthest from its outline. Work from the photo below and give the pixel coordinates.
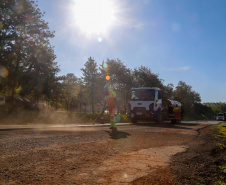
(173, 121)
(133, 120)
(159, 121)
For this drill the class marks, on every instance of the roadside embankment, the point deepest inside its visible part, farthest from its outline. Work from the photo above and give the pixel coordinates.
(204, 162)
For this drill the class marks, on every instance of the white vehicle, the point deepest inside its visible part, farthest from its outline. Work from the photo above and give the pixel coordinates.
(146, 103)
(221, 116)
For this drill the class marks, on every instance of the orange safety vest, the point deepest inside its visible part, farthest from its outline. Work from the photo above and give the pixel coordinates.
(110, 99)
(177, 111)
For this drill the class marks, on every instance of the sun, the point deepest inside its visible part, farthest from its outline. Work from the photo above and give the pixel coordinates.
(94, 16)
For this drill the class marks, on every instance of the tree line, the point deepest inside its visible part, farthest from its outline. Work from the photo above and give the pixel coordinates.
(28, 69)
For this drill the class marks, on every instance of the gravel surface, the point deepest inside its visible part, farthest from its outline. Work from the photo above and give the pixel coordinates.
(138, 154)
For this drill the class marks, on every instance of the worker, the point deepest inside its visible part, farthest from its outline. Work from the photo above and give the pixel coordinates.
(110, 98)
(177, 112)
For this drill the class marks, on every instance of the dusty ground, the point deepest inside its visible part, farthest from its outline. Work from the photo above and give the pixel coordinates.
(138, 154)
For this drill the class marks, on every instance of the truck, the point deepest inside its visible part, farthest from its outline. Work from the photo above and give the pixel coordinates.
(148, 103)
(221, 116)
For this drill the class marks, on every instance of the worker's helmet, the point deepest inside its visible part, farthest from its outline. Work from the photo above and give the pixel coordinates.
(110, 91)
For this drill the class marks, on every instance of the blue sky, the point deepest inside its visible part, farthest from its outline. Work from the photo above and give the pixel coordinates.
(180, 40)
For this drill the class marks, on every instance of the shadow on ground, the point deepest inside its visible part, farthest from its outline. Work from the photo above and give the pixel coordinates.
(118, 134)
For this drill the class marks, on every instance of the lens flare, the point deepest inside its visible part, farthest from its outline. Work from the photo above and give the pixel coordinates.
(105, 65)
(3, 71)
(99, 39)
(108, 77)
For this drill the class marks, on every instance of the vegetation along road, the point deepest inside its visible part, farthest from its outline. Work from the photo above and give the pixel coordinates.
(145, 153)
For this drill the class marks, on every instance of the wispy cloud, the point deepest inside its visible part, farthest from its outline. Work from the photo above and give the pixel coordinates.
(184, 68)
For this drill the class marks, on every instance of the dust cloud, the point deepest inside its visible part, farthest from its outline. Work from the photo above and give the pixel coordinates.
(26, 117)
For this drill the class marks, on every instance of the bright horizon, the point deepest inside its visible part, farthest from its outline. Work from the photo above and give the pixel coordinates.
(179, 40)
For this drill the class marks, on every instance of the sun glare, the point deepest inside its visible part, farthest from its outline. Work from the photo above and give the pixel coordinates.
(94, 16)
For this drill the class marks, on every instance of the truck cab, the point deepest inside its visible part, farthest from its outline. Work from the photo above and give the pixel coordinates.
(145, 104)
(221, 116)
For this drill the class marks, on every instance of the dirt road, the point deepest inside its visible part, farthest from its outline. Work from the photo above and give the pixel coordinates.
(51, 154)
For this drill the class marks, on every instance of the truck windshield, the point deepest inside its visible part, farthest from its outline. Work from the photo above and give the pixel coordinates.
(220, 114)
(143, 94)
